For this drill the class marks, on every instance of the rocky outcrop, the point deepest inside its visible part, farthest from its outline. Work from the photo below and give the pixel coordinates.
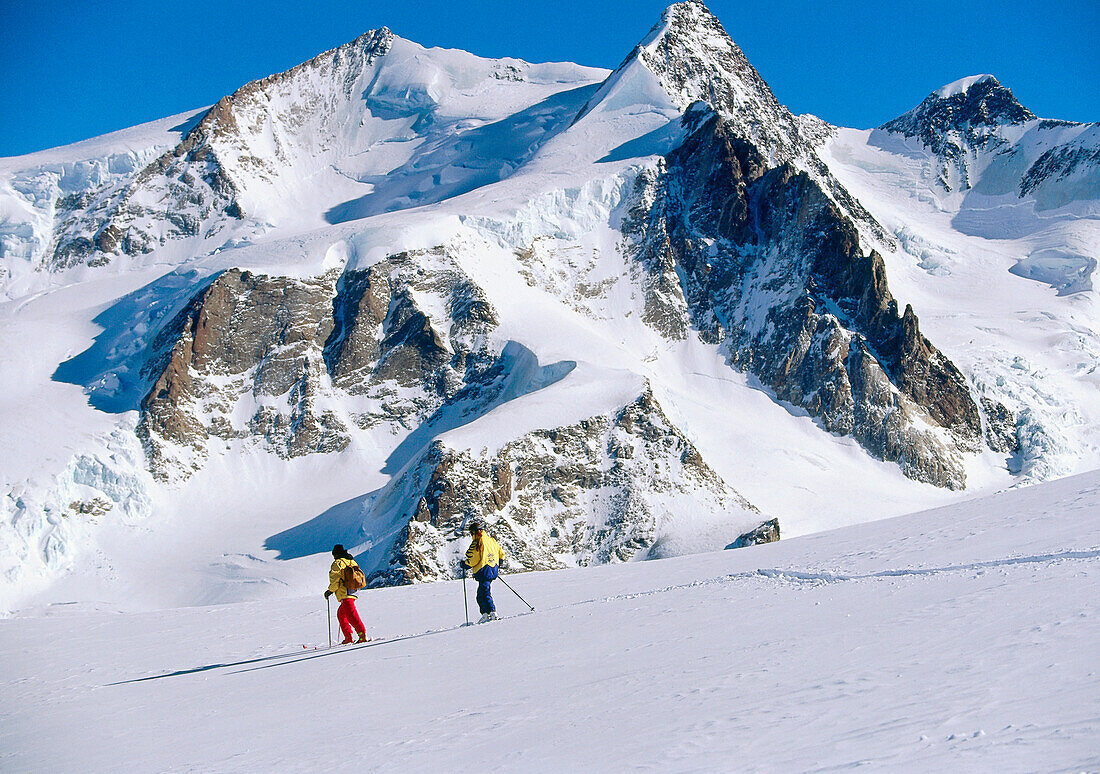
(388, 348)
(184, 193)
(760, 259)
(1080, 156)
(612, 488)
(242, 360)
(278, 360)
(694, 59)
(1000, 427)
(768, 532)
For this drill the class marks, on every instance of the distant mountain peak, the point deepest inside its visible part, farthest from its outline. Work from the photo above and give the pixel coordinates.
(962, 85)
(364, 50)
(960, 119)
(960, 110)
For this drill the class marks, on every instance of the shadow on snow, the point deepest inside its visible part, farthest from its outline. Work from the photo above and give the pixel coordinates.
(516, 374)
(465, 160)
(110, 371)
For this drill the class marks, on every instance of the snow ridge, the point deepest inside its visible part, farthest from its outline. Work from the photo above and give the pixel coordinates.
(961, 86)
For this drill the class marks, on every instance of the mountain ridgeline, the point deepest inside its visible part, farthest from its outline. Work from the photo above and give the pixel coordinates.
(375, 256)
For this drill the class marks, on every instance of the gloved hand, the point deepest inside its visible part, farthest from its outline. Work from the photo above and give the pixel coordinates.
(328, 594)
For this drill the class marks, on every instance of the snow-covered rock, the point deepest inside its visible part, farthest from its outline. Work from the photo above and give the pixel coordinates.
(615, 487)
(989, 142)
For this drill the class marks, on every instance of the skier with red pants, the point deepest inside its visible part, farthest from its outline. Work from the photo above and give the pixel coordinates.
(484, 557)
(346, 614)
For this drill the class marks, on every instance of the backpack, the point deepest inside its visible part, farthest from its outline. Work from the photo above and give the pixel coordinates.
(354, 578)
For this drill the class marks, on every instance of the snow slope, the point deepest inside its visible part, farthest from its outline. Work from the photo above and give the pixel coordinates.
(963, 638)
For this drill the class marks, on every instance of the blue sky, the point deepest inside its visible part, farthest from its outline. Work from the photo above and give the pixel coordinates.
(79, 68)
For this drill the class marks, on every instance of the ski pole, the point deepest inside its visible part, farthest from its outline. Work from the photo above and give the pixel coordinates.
(521, 599)
(465, 600)
(328, 607)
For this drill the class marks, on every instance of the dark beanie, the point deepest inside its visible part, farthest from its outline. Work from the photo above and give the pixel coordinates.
(338, 551)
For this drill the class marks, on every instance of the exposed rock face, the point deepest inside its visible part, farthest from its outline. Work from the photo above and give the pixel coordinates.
(602, 490)
(759, 258)
(195, 189)
(1080, 156)
(387, 346)
(268, 358)
(184, 193)
(768, 532)
(242, 360)
(1000, 430)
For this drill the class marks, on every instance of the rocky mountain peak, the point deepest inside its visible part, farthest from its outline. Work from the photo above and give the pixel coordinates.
(691, 21)
(695, 59)
(359, 53)
(216, 176)
(697, 64)
(689, 57)
(966, 109)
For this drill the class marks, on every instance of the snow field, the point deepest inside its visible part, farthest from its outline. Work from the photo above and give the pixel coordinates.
(964, 638)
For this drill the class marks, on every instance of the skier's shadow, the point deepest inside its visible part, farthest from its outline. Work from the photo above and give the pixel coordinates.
(206, 668)
(282, 659)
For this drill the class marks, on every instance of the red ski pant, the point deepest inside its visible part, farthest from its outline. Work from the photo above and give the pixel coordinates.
(348, 617)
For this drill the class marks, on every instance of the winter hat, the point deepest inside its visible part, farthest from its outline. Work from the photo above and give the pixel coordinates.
(338, 551)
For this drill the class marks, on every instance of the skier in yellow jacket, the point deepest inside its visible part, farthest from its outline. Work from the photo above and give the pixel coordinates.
(484, 557)
(346, 614)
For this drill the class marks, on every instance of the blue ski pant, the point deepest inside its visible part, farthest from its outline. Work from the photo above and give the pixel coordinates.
(485, 576)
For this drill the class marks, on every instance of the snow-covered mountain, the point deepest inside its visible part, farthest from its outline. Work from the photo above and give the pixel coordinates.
(989, 142)
(620, 315)
(975, 188)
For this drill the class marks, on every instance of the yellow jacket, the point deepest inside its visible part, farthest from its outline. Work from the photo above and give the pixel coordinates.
(336, 578)
(484, 552)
